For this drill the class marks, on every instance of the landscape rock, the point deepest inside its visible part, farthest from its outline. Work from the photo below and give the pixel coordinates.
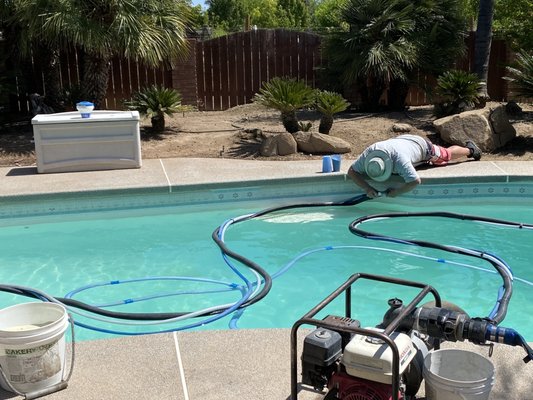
(501, 127)
(318, 143)
(281, 144)
(488, 127)
(403, 128)
(513, 109)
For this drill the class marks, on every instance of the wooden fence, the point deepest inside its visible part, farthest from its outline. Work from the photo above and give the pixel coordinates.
(231, 69)
(227, 71)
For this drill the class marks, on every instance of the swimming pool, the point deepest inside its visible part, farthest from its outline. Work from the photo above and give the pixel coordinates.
(308, 251)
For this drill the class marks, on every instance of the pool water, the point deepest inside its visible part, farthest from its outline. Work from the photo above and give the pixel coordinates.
(309, 251)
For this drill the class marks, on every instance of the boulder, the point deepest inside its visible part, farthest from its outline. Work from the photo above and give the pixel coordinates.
(502, 129)
(318, 143)
(488, 127)
(401, 128)
(282, 144)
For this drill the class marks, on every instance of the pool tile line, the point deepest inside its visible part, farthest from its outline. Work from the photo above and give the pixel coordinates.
(274, 192)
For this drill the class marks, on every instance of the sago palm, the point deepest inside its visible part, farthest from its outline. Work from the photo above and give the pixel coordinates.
(286, 95)
(155, 102)
(328, 104)
(521, 75)
(458, 91)
(151, 31)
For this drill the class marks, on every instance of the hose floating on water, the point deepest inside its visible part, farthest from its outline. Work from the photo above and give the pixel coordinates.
(500, 309)
(254, 291)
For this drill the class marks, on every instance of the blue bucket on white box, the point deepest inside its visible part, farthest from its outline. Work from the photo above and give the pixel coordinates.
(452, 374)
(85, 108)
(32, 346)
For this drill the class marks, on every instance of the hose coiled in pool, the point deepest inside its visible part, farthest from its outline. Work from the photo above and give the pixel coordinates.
(503, 269)
(265, 282)
(217, 236)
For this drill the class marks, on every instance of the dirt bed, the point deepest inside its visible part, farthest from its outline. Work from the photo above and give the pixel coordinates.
(226, 134)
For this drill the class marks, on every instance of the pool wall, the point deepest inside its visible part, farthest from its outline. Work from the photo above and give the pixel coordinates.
(263, 193)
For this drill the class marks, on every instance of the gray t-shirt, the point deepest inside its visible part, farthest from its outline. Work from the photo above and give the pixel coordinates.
(405, 151)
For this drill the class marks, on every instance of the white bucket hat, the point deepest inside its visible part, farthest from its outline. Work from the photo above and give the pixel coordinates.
(378, 165)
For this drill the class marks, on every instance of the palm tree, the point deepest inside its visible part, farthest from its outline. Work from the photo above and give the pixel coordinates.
(328, 104)
(457, 91)
(482, 46)
(150, 31)
(389, 39)
(376, 49)
(521, 75)
(286, 95)
(155, 102)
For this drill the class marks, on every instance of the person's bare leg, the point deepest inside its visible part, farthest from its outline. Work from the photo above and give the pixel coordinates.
(470, 150)
(458, 152)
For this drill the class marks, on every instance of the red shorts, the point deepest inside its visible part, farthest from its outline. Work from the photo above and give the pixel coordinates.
(440, 155)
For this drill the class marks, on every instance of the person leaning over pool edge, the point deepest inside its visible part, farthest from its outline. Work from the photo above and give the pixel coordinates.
(401, 155)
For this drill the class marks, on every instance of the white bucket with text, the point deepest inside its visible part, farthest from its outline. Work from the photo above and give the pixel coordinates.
(32, 345)
(452, 374)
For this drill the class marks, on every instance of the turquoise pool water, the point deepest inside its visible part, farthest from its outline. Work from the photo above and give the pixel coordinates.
(310, 251)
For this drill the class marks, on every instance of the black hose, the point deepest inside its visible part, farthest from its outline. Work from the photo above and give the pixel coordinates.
(267, 280)
(507, 280)
(28, 292)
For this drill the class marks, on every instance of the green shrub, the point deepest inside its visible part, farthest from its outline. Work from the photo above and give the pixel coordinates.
(286, 95)
(155, 102)
(458, 92)
(521, 75)
(328, 104)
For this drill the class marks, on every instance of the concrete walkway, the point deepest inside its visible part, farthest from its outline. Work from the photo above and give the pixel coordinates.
(220, 365)
(185, 172)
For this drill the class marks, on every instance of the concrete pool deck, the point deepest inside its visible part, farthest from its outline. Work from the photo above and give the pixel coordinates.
(219, 365)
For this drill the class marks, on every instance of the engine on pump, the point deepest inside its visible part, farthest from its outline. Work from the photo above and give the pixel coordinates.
(360, 366)
(385, 362)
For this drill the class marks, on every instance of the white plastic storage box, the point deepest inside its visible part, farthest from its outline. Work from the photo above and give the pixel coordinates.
(106, 140)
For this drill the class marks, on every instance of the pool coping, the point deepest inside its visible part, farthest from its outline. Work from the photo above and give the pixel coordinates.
(27, 194)
(215, 365)
(167, 175)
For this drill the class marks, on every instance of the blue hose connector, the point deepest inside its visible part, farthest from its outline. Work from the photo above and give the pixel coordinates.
(499, 334)
(510, 337)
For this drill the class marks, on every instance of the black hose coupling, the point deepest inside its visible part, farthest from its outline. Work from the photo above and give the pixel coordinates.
(441, 323)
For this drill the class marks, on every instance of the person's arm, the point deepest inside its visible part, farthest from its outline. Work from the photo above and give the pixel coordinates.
(362, 183)
(406, 187)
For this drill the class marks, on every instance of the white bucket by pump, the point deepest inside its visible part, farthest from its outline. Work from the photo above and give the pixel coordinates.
(452, 374)
(32, 345)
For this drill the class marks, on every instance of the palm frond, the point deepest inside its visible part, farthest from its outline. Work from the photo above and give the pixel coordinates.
(521, 75)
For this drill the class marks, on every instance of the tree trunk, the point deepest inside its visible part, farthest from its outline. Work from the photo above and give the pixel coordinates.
(290, 121)
(326, 122)
(398, 91)
(95, 79)
(482, 46)
(370, 91)
(158, 123)
(49, 58)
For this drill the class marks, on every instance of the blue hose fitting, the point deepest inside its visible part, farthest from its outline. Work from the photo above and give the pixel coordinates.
(510, 337)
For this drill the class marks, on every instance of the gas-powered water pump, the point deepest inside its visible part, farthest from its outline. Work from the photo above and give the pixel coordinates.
(384, 362)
